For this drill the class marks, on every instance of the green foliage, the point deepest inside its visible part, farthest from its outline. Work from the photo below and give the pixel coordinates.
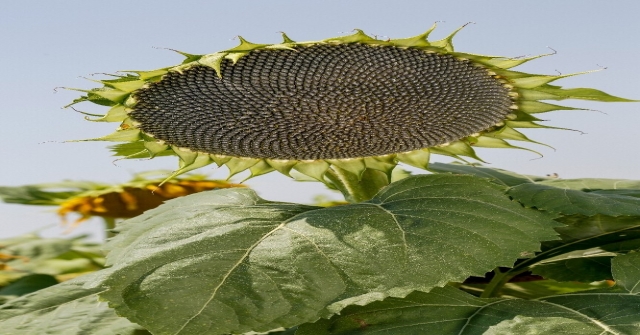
(289, 264)
(450, 311)
(626, 269)
(64, 309)
(593, 184)
(502, 177)
(27, 284)
(579, 268)
(466, 250)
(44, 194)
(570, 202)
(29, 262)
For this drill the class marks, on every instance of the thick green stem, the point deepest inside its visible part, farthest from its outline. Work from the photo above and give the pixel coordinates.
(357, 189)
(495, 285)
(109, 224)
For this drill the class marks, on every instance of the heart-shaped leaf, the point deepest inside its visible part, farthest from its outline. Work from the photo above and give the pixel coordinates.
(237, 263)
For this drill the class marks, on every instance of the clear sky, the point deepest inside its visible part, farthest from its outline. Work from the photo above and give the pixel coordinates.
(46, 44)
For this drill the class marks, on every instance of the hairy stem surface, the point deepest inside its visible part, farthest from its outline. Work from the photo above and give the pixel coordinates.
(357, 189)
(495, 285)
(109, 224)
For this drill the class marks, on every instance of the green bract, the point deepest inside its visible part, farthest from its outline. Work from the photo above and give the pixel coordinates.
(348, 103)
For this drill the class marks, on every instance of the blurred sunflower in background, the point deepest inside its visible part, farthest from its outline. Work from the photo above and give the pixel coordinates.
(110, 202)
(31, 262)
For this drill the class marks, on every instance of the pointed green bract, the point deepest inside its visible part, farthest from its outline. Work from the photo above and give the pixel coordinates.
(281, 166)
(237, 165)
(200, 160)
(419, 159)
(187, 157)
(355, 166)
(262, 167)
(125, 96)
(384, 163)
(456, 149)
(313, 169)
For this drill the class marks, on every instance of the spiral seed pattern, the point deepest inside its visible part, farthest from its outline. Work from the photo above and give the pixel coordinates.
(325, 101)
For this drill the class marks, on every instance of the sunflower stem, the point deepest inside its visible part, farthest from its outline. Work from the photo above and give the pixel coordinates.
(109, 224)
(495, 285)
(357, 189)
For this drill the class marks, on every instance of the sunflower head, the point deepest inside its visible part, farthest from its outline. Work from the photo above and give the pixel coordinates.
(145, 191)
(132, 199)
(354, 103)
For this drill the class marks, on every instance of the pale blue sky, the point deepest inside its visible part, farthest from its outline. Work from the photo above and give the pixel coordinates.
(46, 44)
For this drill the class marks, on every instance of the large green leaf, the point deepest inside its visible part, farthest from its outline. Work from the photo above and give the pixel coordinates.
(237, 263)
(625, 187)
(625, 192)
(569, 202)
(503, 177)
(626, 269)
(64, 309)
(447, 311)
(580, 234)
(615, 234)
(593, 184)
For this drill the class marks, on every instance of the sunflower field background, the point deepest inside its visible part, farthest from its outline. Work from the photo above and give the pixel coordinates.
(558, 252)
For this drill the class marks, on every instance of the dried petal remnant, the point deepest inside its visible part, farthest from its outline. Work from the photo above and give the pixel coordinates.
(323, 101)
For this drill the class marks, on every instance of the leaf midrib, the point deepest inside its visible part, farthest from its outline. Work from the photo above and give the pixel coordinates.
(228, 274)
